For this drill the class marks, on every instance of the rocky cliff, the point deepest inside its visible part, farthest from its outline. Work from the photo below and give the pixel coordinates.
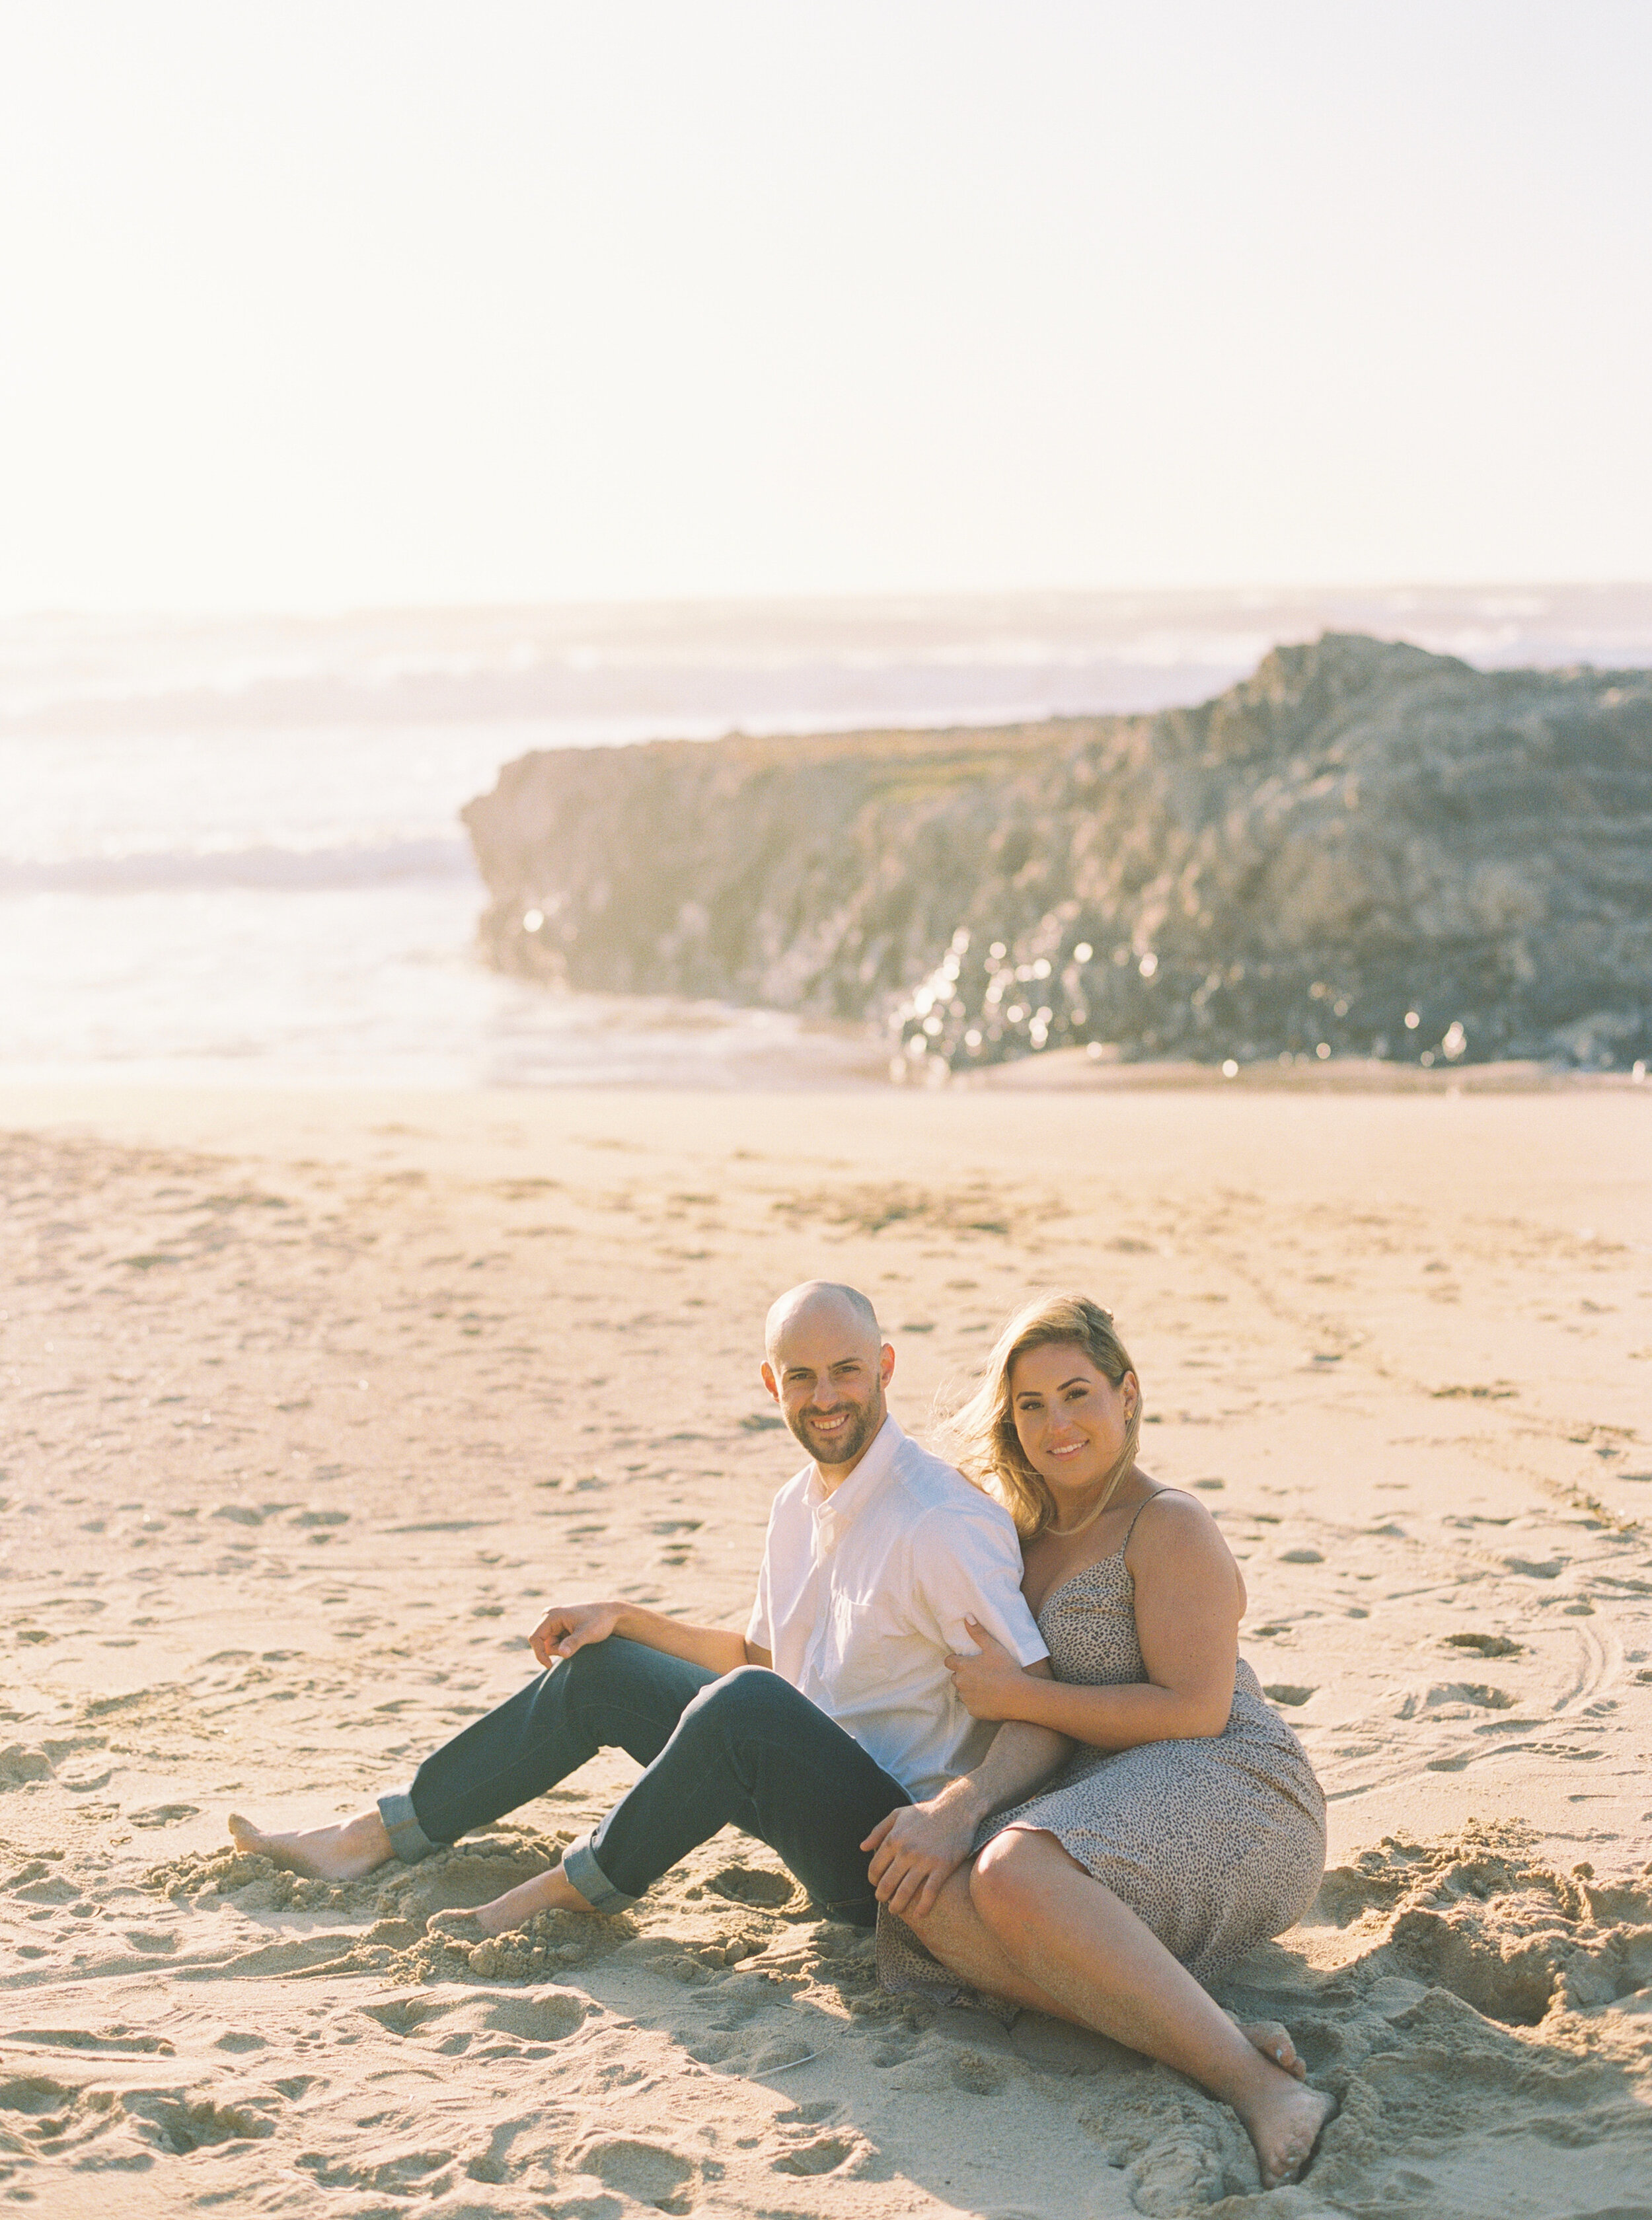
(1361, 848)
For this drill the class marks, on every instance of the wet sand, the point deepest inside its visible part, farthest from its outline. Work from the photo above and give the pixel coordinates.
(313, 1402)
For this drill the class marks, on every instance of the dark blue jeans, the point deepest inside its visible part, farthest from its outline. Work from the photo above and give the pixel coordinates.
(746, 1751)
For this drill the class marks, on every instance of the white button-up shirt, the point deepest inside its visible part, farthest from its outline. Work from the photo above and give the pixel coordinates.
(862, 1593)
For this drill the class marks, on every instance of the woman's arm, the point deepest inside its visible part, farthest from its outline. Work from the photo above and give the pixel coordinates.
(918, 1846)
(1187, 1622)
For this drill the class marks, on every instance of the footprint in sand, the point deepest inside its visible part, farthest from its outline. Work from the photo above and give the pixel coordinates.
(741, 1997)
(784, 2053)
(495, 2164)
(405, 2015)
(652, 2173)
(304, 1954)
(399, 2173)
(535, 2016)
(35, 2093)
(824, 2154)
(178, 2124)
(19, 1765)
(150, 1942)
(45, 1888)
(981, 2075)
(116, 2041)
(751, 1884)
(1452, 1699)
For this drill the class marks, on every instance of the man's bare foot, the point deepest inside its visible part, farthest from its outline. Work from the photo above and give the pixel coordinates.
(343, 1852)
(546, 1891)
(1284, 2120)
(1275, 2043)
(459, 1926)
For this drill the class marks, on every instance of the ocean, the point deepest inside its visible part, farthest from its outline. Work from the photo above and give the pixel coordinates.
(230, 849)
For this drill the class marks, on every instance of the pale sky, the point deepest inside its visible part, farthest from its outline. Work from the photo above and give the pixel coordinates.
(317, 305)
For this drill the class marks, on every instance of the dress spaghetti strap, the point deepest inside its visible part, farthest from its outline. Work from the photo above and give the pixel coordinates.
(1140, 1507)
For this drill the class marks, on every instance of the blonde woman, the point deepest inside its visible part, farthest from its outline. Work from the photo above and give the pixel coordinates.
(1187, 1826)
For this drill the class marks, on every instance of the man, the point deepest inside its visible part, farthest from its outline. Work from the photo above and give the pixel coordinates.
(833, 1711)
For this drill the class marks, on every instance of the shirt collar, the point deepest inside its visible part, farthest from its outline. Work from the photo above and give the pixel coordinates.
(836, 1513)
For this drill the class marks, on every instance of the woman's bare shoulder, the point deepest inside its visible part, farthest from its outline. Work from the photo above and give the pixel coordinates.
(1177, 1550)
(1170, 1520)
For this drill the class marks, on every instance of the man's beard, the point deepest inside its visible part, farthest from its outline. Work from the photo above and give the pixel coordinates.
(843, 1448)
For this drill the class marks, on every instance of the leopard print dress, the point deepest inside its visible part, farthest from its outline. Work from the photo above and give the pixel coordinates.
(1216, 1844)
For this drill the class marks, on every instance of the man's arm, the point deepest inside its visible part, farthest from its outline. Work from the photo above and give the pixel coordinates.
(568, 1627)
(1190, 1599)
(916, 1848)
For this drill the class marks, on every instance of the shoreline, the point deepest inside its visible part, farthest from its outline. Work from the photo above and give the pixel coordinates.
(827, 1058)
(1075, 1069)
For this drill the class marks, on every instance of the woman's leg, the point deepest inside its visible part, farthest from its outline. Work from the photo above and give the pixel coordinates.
(956, 1933)
(1073, 1938)
(1030, 1923)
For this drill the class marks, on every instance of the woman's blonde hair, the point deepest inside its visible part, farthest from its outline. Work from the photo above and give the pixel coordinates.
(980, 1437)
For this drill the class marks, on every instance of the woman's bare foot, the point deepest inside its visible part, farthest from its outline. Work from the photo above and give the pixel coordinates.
(343, 1852)
(1284, 2120)
(1275, 2043)
(546, 1891)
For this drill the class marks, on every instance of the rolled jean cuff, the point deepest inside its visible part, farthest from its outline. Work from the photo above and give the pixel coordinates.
(579, 1866)
(408, 1838)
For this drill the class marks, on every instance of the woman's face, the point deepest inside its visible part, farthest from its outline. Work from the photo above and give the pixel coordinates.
(1069, 1416)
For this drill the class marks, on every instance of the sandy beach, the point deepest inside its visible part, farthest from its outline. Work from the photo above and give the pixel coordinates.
(313, 1401)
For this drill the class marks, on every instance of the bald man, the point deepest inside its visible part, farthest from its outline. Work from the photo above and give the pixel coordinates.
(832, 1712)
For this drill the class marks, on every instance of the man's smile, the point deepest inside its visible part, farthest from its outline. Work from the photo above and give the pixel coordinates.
(836, 1437)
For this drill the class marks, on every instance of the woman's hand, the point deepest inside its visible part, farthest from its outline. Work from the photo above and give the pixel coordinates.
(990, 1685)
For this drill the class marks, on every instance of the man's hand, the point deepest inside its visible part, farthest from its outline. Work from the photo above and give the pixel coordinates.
(568, 1627)
(990, 1685)
(917, 1848)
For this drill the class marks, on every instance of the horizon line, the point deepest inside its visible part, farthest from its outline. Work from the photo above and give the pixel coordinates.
(845, 598)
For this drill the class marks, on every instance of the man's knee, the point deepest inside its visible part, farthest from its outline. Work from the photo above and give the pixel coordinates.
(751, 1699)
(747, 1717)
(599, 1674)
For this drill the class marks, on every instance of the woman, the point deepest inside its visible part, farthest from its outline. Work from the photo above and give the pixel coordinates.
(1187, 1825)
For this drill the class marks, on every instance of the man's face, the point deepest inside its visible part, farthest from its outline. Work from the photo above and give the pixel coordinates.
(828, 1374)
